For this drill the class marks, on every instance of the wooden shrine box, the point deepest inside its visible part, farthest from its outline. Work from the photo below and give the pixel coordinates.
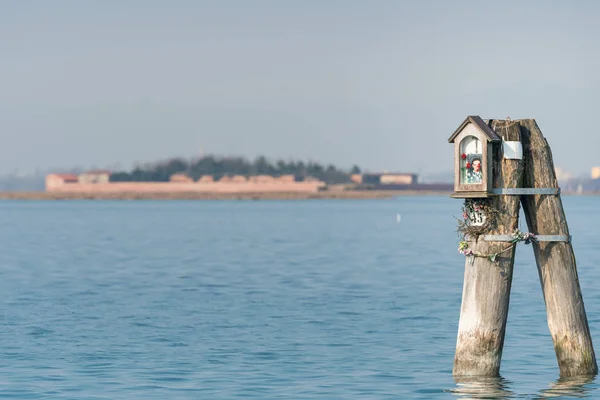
(473, 150)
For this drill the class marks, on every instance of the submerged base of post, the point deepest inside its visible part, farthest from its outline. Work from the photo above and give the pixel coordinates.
(483, 314)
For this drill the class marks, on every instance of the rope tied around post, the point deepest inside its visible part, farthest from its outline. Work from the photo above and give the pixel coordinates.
(517, 236)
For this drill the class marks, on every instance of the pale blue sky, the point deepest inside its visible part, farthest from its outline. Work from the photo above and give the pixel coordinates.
(378, 83)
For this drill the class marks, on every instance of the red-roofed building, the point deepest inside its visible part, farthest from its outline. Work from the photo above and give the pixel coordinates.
(95, 176)
(54, 180)
(181, 178)
(206, 179)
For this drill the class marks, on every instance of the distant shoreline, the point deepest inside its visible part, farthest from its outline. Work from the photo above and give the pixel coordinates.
(347, 194)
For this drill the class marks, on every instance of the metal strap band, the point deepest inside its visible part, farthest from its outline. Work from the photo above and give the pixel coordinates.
(524, 191)
(539, 238)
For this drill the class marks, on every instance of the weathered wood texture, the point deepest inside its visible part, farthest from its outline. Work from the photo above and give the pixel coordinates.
(486, 289)
(557, 269)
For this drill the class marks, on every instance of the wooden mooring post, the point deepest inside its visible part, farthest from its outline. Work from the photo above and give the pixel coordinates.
(499, 164)
(557, 269)
(487, 283)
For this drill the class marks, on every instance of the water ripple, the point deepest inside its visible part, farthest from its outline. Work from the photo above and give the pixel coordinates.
(226, 300)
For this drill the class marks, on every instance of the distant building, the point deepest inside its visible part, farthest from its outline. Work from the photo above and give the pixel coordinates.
(206, 179)
(287, 178)
(388, 178)
(562, 175)
(356, 178)
(180, 178)
(262, 178)
(238, 179)
(56, 180)
(95, 176)
(595, 172)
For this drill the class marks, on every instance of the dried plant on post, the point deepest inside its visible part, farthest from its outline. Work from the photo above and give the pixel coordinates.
(478, 218)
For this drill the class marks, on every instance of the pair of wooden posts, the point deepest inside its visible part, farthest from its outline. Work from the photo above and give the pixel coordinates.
(500, 164)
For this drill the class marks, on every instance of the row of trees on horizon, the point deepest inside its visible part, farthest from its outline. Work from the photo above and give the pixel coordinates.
(229, 166)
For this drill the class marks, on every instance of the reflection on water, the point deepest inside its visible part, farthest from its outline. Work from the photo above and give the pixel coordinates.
(499, 388)
(482, 388)
(577, 387)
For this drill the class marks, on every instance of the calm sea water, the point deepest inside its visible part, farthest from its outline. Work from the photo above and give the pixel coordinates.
(240, 299)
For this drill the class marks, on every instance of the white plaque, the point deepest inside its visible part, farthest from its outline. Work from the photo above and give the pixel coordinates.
(476, 218)
(513, 150)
